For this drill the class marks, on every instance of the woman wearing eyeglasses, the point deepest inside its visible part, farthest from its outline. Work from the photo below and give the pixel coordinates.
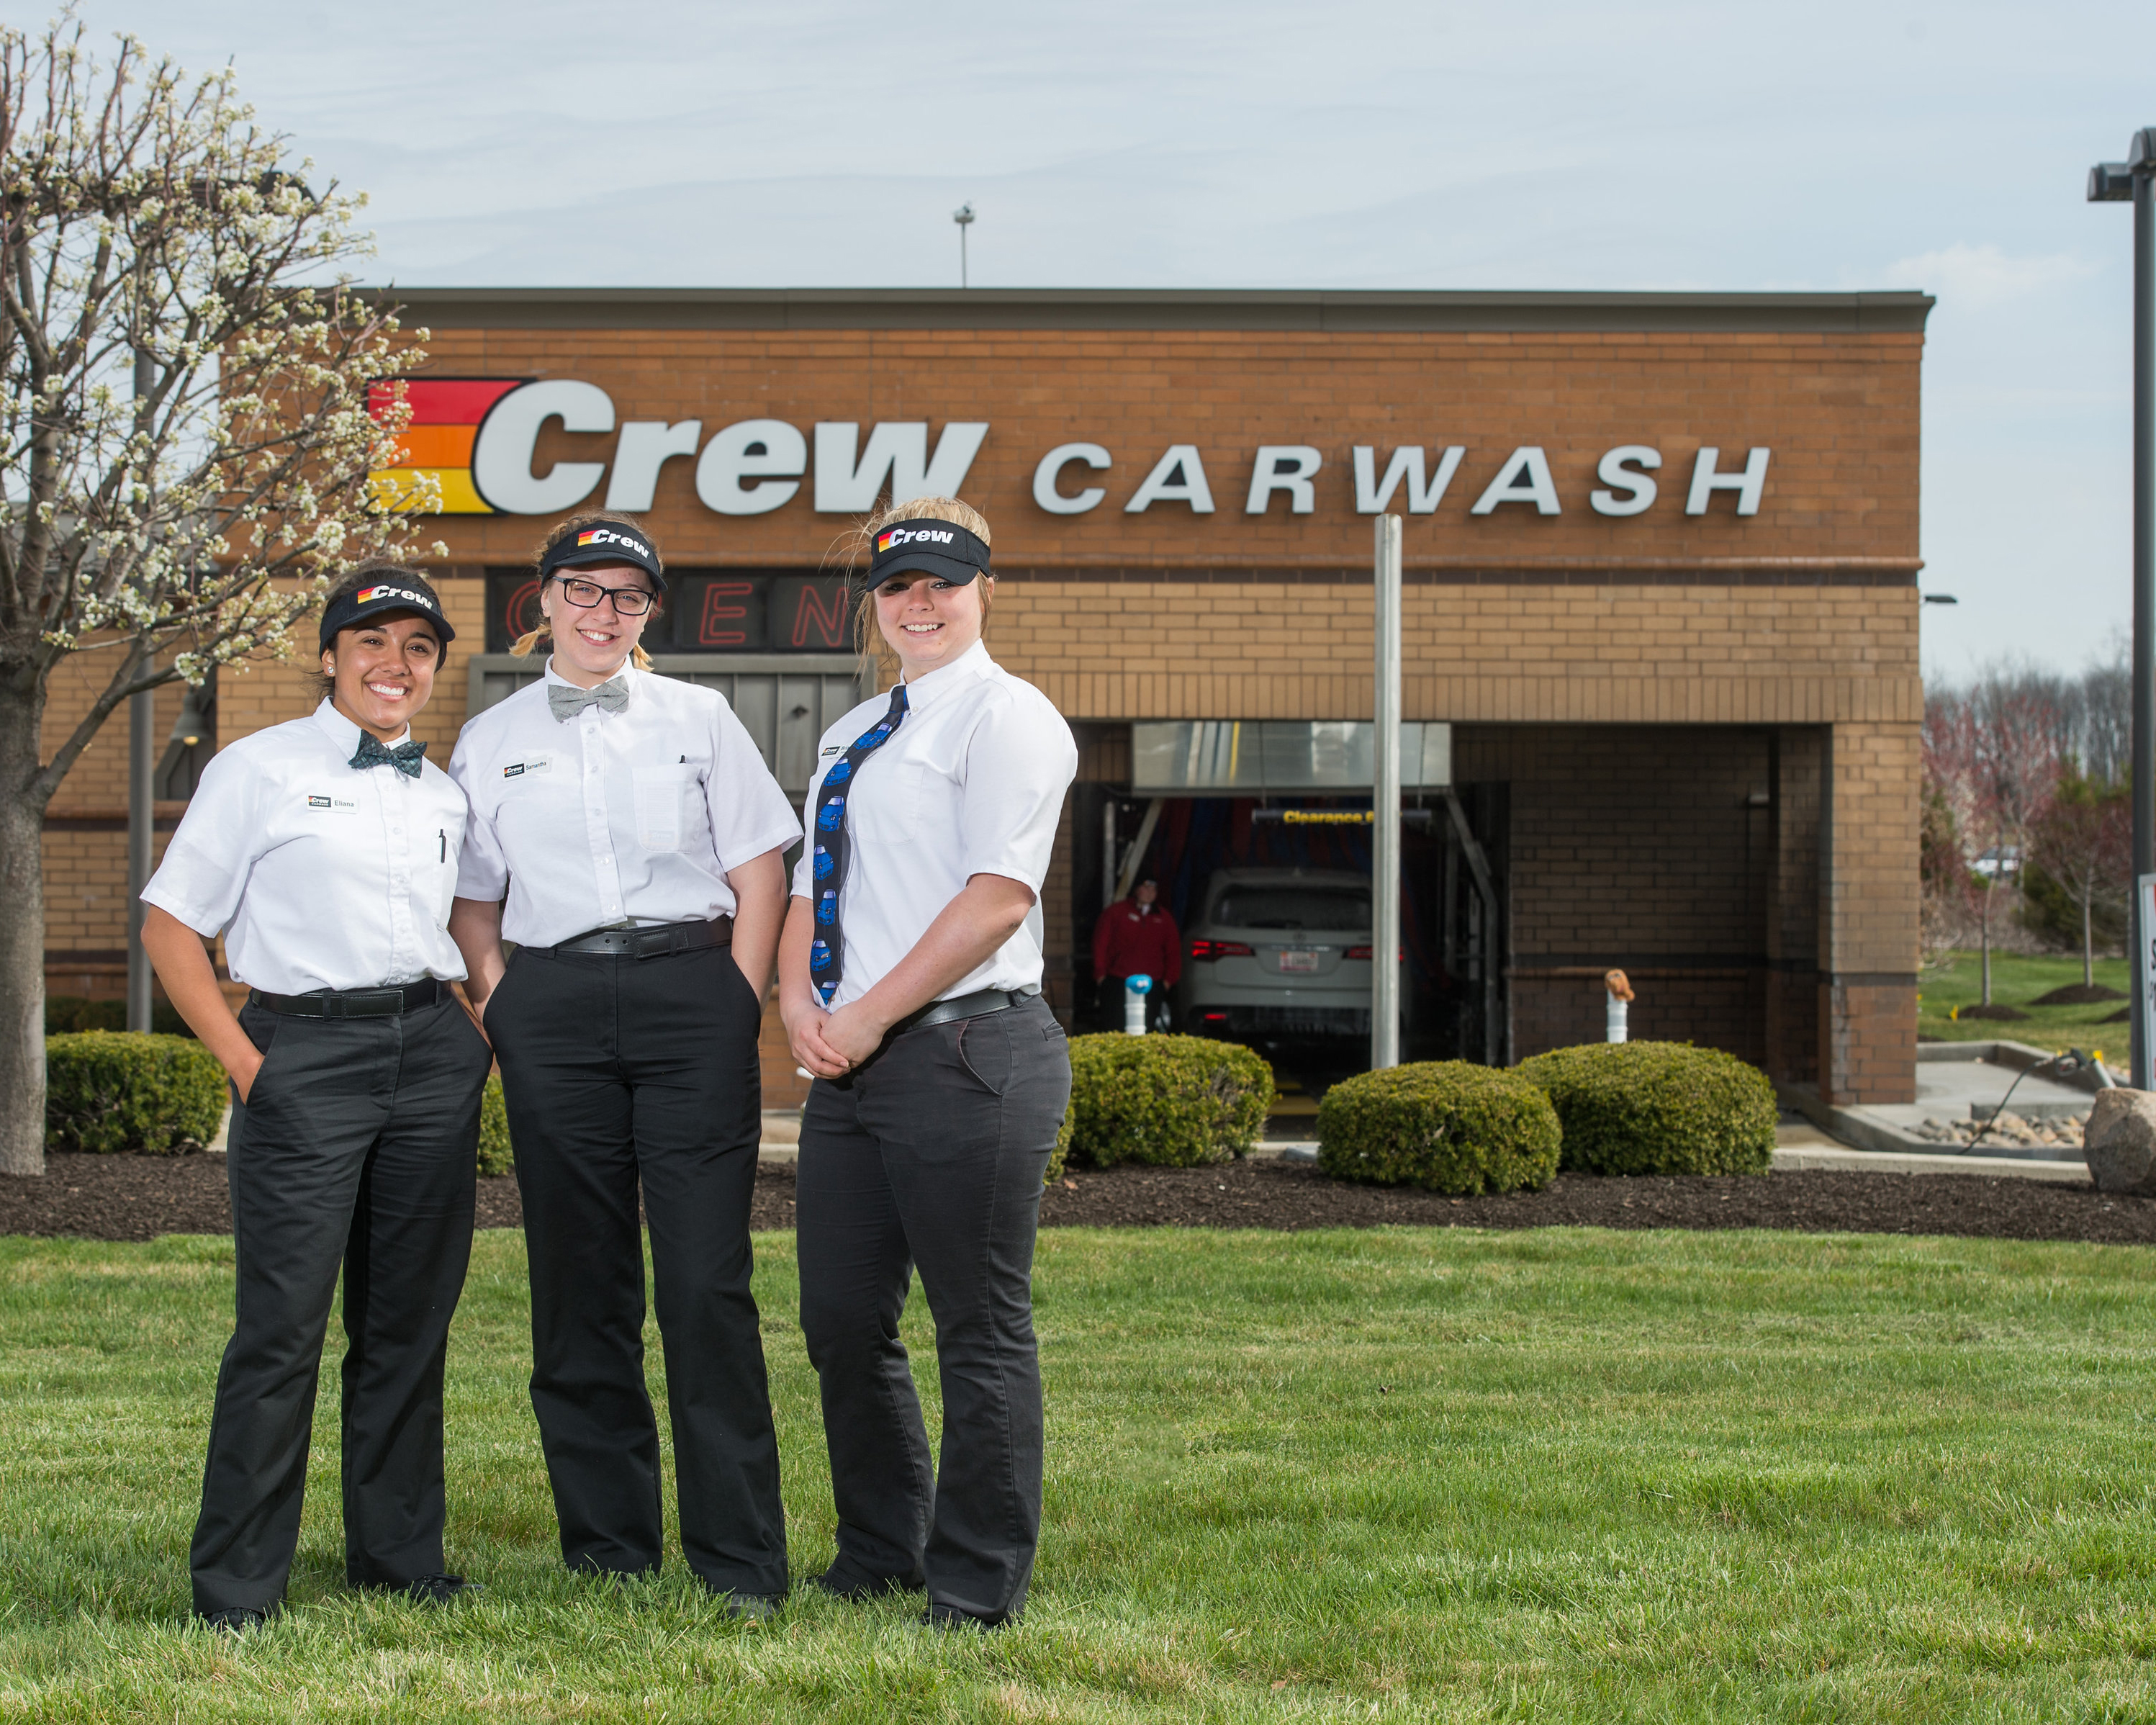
(627, 837)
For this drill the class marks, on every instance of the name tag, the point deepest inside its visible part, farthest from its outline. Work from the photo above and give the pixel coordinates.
(836, 748)
(331, 803)
(537, 763)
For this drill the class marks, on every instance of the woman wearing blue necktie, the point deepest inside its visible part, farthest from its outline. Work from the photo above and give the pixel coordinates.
(324, 850)
(910, 981)
(627, 836)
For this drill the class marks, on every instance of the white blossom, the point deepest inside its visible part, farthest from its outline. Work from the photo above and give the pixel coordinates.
(151, 233)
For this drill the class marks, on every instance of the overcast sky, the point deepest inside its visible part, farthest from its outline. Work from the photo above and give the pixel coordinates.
(1684, 145)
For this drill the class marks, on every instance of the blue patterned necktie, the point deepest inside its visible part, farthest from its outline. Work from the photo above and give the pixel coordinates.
(827, 952)
(372, 751)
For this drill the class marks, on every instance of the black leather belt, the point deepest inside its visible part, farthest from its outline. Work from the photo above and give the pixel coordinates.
(354, 1002)
(661, 941)
(977, 1005)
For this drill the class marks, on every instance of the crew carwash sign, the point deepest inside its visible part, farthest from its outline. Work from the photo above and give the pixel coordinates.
(476, 438)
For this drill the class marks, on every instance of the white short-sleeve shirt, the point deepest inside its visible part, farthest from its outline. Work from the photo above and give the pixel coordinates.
(971, 784)
(318, 875)
(608, 818)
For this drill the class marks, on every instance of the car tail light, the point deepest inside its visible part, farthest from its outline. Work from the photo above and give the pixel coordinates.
(1213, 1017)
(1220, 949)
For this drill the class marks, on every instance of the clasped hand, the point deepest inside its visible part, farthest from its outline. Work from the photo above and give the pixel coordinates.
(831, 1044)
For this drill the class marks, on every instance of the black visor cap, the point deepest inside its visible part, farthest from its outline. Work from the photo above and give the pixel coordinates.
(403, 592)
(934, 548)
(605, 543)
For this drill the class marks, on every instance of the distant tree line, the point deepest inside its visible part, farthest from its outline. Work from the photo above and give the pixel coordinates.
(2027, 824)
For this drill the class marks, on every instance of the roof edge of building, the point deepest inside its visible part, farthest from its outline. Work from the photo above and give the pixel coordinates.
(1350, 312)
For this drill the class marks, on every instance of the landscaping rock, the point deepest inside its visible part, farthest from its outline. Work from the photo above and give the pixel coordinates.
(2120, 1141)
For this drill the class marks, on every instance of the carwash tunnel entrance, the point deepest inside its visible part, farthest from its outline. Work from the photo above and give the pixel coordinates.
(1258, 835)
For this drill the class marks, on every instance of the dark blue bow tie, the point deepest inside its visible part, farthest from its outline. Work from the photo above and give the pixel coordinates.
(405, 757)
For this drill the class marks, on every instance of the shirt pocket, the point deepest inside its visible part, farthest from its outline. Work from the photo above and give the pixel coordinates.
(911, 799)
(438, 870)
(662, 806)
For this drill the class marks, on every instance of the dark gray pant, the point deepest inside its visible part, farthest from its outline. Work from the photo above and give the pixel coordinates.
(933, 1157)
(357, 1147)
(621, 1074)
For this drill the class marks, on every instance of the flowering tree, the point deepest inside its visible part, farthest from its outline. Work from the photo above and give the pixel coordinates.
(1992, 756)
(184, 433)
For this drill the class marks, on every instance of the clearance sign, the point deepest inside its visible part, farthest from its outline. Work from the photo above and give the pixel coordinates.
(477, 437)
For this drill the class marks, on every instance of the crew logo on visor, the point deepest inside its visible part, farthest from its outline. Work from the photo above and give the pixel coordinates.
(934, 548)
(611, 535)
(922, 536)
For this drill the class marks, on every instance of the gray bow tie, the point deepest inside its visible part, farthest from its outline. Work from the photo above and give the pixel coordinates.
(567, 700)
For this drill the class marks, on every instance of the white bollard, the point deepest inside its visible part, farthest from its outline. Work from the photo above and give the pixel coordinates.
(1134, 990)
(1616, 1022)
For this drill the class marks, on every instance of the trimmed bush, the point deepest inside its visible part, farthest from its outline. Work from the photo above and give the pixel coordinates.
(1447, 1125)
(494, 1155)
(1172, 1101)
(65, 1014)
(1658, 1108)
(108, 1091)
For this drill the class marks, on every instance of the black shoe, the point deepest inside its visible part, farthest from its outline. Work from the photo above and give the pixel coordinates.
(940, 1616)
(233, 1619)
(750, 1608)
(440, 1589)
(853, 1590)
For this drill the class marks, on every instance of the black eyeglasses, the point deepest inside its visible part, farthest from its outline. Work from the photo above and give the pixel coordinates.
(628, 600)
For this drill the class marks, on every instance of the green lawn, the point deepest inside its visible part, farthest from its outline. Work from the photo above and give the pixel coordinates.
(1958, 981)
(1408, 1474)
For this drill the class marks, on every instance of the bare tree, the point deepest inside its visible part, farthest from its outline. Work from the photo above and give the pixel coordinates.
(184, 429)
(2084, 841)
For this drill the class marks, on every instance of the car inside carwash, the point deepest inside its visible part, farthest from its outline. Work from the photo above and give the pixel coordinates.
(1258, 838)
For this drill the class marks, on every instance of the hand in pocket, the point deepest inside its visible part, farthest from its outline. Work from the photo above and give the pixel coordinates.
(243, 1081)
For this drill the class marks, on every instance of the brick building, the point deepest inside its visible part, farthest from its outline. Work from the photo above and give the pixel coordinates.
(1660, 562)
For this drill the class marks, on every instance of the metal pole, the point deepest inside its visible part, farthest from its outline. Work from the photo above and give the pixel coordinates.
(142, 722)
(1385, 806)
(2144, 571)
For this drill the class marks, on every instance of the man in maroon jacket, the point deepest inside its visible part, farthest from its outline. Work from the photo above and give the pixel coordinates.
(1135, 937)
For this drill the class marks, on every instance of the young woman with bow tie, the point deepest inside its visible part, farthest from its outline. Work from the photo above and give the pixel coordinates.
(324, 850)
(627, 838)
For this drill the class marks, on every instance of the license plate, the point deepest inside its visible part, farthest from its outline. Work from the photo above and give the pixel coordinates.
(1298, 961)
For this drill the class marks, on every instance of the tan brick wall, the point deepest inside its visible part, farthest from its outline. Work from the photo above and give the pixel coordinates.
(1633, 679)
(1638, 847)
(1519, 654)
(1795, 901)
(1869, 929)
(1840, 411)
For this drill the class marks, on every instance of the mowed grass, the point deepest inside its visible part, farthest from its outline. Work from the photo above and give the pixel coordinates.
(2016, 980)
(1408, 1474)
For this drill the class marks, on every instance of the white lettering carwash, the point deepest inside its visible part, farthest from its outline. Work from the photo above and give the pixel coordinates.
(753, 466)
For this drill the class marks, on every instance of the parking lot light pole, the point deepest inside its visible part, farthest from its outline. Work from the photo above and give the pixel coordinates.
(2134, 180)
(142, 719)
(1385, 805)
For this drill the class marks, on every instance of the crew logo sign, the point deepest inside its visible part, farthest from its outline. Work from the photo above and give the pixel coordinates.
(447, 413)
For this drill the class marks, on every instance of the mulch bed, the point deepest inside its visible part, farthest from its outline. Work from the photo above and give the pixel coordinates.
(140, 1197)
